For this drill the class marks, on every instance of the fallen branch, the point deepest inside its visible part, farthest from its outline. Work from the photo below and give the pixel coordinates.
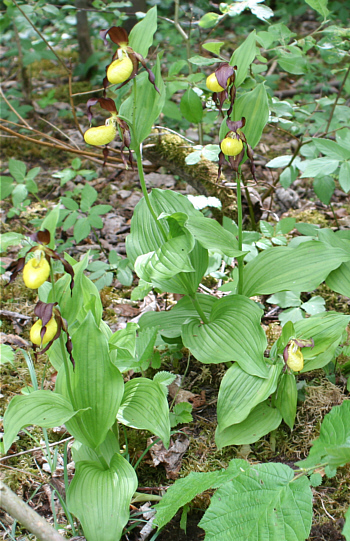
(14, 506)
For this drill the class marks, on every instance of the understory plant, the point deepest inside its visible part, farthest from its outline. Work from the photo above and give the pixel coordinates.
(172, 246)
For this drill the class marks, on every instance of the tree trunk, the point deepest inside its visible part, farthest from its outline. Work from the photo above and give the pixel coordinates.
(83, 30)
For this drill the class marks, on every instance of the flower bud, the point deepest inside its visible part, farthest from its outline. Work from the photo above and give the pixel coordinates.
(50, 333)
(36, 271)
(295, 359)
(212, 83)
(119, 70)
(231, 146)
(101, 135)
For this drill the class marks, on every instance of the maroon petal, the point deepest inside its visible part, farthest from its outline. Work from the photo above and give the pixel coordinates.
(117, 34)
(42, 237)
(44, 311)
(235, 125)
(106, 103)
(151, 75)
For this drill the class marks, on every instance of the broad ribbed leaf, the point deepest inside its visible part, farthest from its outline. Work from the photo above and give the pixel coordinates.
(240, 392)
(286, 398)
(254, 107)
(232, 334)
(320, 6)
(96, 384)
(339, 279)
(243, 57)
(42, 408)
(346, 529)
(107, 449)
(264, 503)
(294, 269)
(170, 322)
(335, 432)
(145, 407)
(326, 330)
(186, 283)
(101, 498)
(145, 236)
(149, 104)
(261, 420)
(141, 35)
(213, 236)
(170, 259)
(184, 490)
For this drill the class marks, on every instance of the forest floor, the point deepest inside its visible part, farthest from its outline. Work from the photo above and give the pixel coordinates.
(25, 469)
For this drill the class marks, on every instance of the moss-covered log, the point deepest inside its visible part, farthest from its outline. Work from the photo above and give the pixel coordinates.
(170, 151)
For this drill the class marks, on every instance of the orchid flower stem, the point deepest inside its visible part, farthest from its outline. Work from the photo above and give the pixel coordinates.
(240, 233)
(140, 167)
(198, 308)
(145, 193)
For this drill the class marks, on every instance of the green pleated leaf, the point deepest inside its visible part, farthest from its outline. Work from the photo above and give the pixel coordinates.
(334, 433)
(149, 104)
(145, 407)
(240, 392)
(243, 57)
(213, 236)
(42, 408)
(254, 107)
(145, 236)
(261, 420)
(141, 35)
(107, 449)
(96, 384)
(184, 490)
(100, 498)
(232, 334)
(339, 279)
(263, 503)
(186, 283)
(286, 398)
(170, 322)
(294, 269)
(170, 259)
(331, 149)
(326, 330)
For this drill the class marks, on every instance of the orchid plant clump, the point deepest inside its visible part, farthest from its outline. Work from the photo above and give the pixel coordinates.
(172, 247)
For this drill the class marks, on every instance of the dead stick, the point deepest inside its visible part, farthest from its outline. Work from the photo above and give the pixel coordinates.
(14, 506)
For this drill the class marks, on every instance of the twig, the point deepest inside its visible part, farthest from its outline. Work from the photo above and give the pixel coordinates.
(14, 110)
(31, 520)
(325, 510)
(60, 131)
(91, 155)
(35, 449)
(337, 98)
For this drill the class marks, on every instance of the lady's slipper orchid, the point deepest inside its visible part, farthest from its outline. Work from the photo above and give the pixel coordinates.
(37, 270)
(48, 328)
(50, 331)
(125, 61)
(292, 354)
(120, 70)
(102, 135)
(233, 145)
(221, 83)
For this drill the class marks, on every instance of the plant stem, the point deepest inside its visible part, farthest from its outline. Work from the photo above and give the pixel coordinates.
(337, 98)
(145, 193)
(240, 232)
(198, 308)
